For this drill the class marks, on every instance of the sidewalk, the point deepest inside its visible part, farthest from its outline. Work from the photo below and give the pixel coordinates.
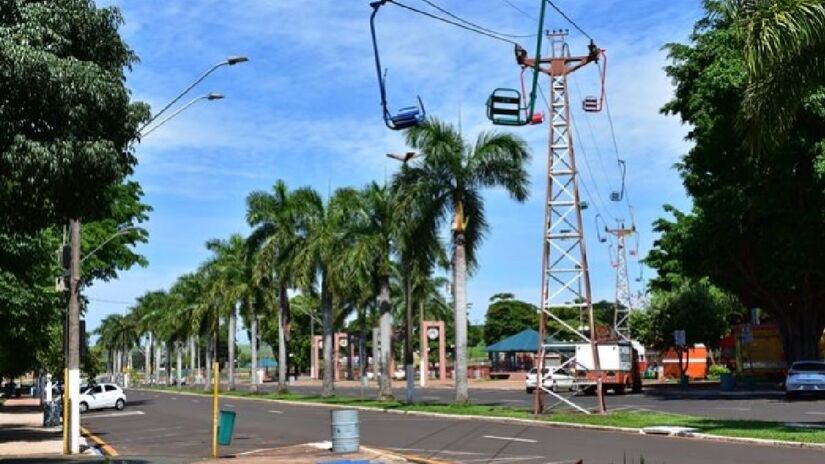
(22, 432)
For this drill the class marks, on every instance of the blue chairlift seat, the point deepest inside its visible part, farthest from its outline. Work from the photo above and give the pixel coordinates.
(407, 117)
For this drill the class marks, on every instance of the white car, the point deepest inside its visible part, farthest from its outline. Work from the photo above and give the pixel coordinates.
(805, 377)
(560, 379)
(105, 395)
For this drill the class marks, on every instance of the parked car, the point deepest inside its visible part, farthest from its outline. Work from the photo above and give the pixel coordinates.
(805, 377)
(561, 379)
(105, 395)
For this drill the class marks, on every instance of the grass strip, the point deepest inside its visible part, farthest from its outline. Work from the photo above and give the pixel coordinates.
(767, 430)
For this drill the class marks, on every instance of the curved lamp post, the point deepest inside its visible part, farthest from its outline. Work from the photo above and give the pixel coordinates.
(210, 96)
(230, 61)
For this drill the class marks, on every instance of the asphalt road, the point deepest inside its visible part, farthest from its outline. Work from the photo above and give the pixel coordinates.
(175, 426)
(761, 405)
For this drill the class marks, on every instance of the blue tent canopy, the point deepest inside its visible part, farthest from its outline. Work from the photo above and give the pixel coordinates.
(526, 341)
(267, 363)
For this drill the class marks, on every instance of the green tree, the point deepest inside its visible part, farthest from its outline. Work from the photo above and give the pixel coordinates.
(756, 225)
(446, 183)
(67, 123)
(697, 307)
(508, 316)
(785, 57)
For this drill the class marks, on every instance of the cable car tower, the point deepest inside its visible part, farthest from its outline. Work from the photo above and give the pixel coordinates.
(624, 300)
(565, 280)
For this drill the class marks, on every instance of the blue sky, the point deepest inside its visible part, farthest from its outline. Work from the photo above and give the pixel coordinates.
(306, 109)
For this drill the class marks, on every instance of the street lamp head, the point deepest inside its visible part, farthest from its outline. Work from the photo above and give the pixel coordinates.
(233, 60)
(215, 96)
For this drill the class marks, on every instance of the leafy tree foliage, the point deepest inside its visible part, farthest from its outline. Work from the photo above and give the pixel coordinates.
(508, 316)
(756, 227)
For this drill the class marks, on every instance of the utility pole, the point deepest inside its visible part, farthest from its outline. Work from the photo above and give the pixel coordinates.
(565, 273)
(72, 382)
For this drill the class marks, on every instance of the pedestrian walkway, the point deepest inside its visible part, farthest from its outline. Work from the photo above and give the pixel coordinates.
(22, 432)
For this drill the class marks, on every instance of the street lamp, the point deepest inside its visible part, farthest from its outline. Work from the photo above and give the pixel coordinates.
(120, 231)
(230, 61)
(210, 96)
(409, 369)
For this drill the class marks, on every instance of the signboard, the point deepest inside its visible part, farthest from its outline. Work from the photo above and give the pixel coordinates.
(679, 338)
(343, 342)
(432, 333)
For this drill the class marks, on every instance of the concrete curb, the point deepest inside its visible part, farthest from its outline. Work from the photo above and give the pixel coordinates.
(566, 425)
(101, 444)
(414, 458)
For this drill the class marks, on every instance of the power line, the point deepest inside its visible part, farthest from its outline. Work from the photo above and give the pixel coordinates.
(573, 23)
(508, 2)
(479, 27)
(448, 21)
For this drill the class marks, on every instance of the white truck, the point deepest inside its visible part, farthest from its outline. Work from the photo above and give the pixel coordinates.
(619, 362)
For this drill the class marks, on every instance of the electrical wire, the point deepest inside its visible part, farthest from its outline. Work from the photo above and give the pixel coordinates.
(573, 23)
(511, 5)
(448, 21)
(481, 28)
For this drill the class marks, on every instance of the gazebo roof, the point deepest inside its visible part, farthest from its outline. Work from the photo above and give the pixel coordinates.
(526, 341)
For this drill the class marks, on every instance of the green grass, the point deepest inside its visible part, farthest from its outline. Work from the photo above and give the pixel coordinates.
(727, 428)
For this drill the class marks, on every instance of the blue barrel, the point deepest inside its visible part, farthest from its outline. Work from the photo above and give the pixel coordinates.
(727, 382)
(345, 431)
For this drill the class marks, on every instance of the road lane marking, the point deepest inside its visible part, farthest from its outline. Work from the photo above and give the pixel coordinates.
(732, 408)
(196, 401)
(815, 413)
(275, 412)
(430, 398)
(256, 451)
(173, 398)
(522, 440)
(229, 405)
(115, 414)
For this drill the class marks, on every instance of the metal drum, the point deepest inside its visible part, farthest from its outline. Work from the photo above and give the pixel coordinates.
(345, 431)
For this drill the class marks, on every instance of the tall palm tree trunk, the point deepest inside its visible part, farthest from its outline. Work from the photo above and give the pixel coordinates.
(462, 394)
(147, 361)
(156, 368)
(231, 342)
(385, 328)
(179, 351)
(328, 384)
(208, 353)
(362, 344)
(192, 354)
(168, 346)
(283, 337)
(253, 347)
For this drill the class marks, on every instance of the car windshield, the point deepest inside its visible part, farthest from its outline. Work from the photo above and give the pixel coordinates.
(809, 366)
(532, 371)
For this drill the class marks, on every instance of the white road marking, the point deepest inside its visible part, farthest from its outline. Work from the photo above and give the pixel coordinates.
(229, 405)
(275, 412)
(196, 401)
(173, 398)
(731, 408)
(522, 440)
(430, 398)
(815, 413)
(256, 451)
(434, 452)
(115, 414)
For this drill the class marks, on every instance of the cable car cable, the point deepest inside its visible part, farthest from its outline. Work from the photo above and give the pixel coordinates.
(508, 2)
(479, 27)
(449, 21)
(573, 23)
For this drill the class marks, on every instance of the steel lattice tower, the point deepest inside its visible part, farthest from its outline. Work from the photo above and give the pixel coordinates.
(565, 274)
(624, 299)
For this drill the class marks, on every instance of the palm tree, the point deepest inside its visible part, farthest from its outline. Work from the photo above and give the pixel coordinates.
(230, 286)
(276, 237)
(785, 55)
(318, 255)
(374, 233)
(446, 183)
(118, 334)
(147, 316)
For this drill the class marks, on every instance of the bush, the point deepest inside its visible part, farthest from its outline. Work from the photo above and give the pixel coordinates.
(716, 370)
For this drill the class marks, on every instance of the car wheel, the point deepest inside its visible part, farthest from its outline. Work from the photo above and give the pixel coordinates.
(790, 396)
(83, 407)
(120, 404)
(529, 390)
(553, 387)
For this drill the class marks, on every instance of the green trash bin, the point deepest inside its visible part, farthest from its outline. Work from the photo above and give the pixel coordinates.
(226, 425)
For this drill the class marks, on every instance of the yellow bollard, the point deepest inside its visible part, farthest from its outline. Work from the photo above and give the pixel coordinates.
(215, 367)
(65, 411)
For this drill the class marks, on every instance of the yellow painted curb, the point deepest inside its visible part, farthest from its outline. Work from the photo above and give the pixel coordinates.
(107, 450)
